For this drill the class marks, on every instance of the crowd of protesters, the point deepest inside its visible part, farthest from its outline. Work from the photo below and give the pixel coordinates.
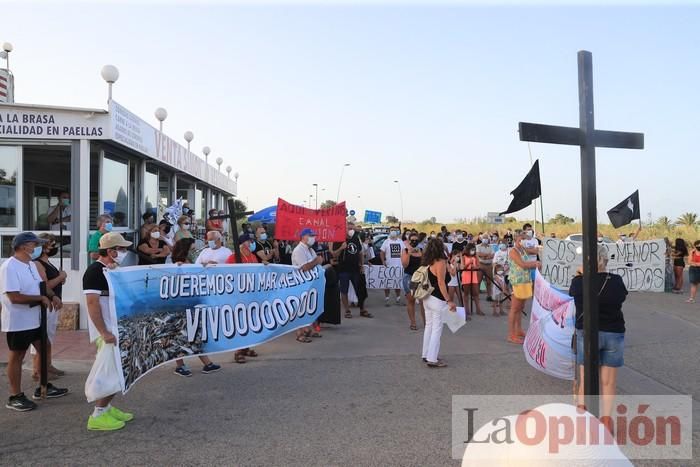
(461, 267)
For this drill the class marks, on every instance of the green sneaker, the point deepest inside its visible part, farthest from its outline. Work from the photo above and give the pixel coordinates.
(104, 422)
(119, 415)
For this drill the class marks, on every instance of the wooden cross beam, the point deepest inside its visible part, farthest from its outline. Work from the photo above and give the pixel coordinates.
(233, 216)
(588, 138)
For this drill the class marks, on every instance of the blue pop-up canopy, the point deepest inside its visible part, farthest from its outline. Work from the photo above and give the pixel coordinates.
(266, 216)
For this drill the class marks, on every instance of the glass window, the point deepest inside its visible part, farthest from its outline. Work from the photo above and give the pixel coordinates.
(151, 192)
(164, 189)
(46, 184)
(9, 171)
(94, 185)
(115, 189)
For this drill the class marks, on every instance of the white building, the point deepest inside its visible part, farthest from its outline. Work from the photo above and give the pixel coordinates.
(108, 161)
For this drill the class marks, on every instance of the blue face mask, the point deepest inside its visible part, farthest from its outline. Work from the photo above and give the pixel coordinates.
(252, 244)
(502, 247)
(211, 244)
(108, 226)
(36, 253)
(263, 237)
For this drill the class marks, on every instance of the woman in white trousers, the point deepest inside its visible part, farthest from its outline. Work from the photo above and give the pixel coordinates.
(435, 304)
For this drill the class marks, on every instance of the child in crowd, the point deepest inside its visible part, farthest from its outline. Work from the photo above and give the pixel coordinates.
(498, 292)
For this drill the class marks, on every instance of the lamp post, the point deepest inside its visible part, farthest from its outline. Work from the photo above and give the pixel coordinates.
(400, 198)
(110, 74)
(316, 186)
(161, 114)
(337, 197)
(219, 161)
(228, 171)
(189, 136)
(6, 49)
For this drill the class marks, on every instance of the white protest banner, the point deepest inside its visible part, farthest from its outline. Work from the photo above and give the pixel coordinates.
(640, 264)
(547, 345)
(383, 277)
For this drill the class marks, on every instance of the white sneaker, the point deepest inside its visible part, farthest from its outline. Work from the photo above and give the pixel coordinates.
(386, 301)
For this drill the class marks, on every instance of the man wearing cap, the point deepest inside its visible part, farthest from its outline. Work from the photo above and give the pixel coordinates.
(304, 257)
(102, 323)
(21, 301)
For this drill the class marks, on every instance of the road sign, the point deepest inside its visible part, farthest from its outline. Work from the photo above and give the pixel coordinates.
(373, 217)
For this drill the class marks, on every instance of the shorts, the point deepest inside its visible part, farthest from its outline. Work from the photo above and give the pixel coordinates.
(611, 346)
(522, 291)
(344, 279)
(406, 284)
(694, 275)
(453, 282)
(19, 341)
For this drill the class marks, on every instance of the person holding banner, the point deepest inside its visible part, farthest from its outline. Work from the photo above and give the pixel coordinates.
(180, 256)
(436, 303)
(101, 325)
(390, 254)
(349, 256)
(304, 257)
(215, 252)
(612, 293)
(410, 260)
(521, 267)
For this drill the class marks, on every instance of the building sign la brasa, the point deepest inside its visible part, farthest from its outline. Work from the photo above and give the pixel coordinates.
(36, 123)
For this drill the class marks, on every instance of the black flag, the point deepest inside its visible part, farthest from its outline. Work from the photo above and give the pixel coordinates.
(626, 211)
(528, 190)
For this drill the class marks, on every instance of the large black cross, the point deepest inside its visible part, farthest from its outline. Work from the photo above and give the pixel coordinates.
(233, 217)
(588, 138)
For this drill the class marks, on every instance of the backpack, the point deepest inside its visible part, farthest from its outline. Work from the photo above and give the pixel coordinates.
(420, 283)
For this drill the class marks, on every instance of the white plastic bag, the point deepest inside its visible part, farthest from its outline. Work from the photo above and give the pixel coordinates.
(104, 379)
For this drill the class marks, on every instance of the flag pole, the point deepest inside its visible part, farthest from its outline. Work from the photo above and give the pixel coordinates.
(535, 203)
(542, 212)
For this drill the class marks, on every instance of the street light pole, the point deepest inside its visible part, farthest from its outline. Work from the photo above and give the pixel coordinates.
(337, 197)
(400, 198)
(316, 186)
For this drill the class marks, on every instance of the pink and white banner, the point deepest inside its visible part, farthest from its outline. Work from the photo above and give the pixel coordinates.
(547, 344)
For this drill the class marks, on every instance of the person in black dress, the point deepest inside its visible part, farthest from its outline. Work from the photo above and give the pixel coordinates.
(410, 260)
(54, 281)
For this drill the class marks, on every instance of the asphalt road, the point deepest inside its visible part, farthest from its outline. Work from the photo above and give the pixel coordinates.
(358, 396)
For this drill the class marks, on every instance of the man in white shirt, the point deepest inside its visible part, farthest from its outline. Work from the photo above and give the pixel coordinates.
(102, 324)
(215, 252)
(390, 254)
(21, 300)
(305, 258)
(63, 207)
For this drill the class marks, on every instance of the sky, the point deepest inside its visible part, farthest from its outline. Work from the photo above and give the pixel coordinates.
(427, 94)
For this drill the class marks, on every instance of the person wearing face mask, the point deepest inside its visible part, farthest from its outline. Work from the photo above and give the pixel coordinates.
(508, 238)
(214, 224)
(149, 220)
(101, 325)
(152, 249)
(304, 257)
(20, 297)
(63, 207)
(498, 292)
(166, 233)
(183, 228)
(520, 264)
(470, 268)
(390, 254)
(264, 249)
(411, 261)
(500, 258)
(215, 252)
(54, 280)
(485, 254)
(349, 257)
(104, 225)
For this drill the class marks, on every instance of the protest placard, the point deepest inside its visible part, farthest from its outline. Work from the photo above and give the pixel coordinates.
(329, 224)
(383, 277)
(166, 312)
(640, 264)
(547, 344)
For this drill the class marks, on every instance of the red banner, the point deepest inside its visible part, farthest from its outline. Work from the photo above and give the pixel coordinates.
(329, 224)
